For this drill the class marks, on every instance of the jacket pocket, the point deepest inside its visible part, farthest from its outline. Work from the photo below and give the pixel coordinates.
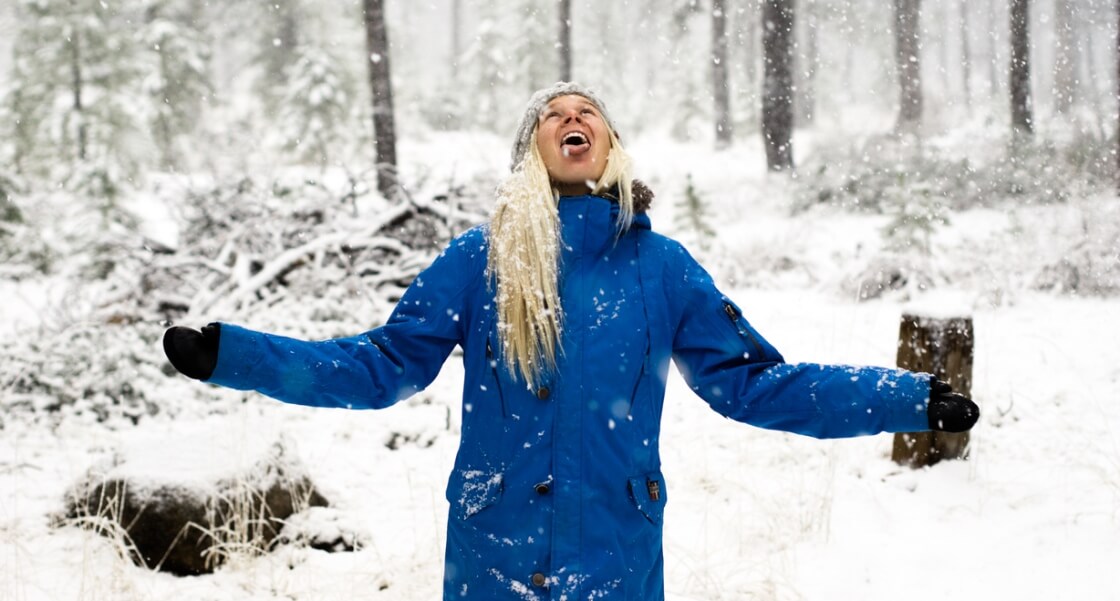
(735, 316)
(471, 491)
(649, 495)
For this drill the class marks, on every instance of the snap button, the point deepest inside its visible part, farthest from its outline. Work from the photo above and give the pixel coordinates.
(543, 392)
(542, 488)
(539, 579)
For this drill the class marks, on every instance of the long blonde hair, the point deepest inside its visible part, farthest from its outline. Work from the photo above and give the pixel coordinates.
(524, 258)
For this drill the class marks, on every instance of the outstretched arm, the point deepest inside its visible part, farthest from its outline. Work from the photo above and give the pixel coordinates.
(372, 370)
(732, 367)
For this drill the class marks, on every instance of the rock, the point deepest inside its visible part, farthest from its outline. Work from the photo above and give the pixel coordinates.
(321, 528)
(179, 521)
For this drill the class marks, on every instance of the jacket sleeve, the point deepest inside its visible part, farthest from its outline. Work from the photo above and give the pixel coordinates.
(741, 376)
(369, 371)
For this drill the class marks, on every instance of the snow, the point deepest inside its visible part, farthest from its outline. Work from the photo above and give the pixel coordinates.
(1034, 514)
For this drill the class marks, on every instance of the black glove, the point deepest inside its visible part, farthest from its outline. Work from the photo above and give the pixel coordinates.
(192, 352)
(949, 411)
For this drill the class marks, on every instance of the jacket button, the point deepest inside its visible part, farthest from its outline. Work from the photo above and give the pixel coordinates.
(542, 488)
(543, 393)
(539, 579)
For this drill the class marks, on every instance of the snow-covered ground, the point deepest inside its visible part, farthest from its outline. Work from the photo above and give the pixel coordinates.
(1034, 514)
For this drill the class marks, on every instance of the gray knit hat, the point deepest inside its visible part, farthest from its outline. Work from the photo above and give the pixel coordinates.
(538, 101)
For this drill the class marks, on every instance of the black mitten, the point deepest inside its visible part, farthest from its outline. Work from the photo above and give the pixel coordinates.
(192, 352)
(950, 411)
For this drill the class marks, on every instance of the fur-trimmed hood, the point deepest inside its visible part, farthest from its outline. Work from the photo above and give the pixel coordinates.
(641, 193)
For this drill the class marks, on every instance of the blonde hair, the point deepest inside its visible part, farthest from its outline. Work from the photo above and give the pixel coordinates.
(524, 258)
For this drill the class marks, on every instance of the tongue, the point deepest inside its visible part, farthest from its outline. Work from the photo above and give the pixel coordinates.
(571, 150)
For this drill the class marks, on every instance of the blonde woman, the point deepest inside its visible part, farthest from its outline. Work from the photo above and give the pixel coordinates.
(568, 308)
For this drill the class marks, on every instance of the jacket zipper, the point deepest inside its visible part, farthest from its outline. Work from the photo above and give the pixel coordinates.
(744, 333)
(497, 380)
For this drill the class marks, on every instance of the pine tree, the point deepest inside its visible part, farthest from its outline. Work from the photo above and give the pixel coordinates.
(75, 95)
(280, 35)
(695, 215)
(687, 60)
(178, 83)
(490, 84)
(316, 113)
(534, 46)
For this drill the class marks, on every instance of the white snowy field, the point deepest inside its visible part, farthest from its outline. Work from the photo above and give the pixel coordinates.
(1033, 514)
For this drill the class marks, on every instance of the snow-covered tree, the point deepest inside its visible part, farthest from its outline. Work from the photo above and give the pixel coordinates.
(491, 64)
(280, 34)
(688, 58)
(178, 83)
(534, 46)
(317, 107)
(692, 213)
(74, 93)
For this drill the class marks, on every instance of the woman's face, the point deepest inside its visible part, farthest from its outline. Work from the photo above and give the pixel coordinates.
(574, 142)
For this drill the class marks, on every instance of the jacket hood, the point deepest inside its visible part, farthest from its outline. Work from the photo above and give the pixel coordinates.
(641, 193)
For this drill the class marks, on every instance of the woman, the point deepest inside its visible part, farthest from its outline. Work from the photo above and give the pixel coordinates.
(568, 308)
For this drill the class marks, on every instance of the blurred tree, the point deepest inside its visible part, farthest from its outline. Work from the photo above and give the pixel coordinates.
(1020, 69)
(808, 65)
(316, 109)
(1065, 57)
(692, 212)
(75, 95)
(564, 39)
(490, 67)
(178, 82)
(746, 28)
(532, 46)
(721, 87)
(777, 94)
(455, 62)
(995, 65)
(685, 87)
(279, 37)
(381, 96)
(908, 52)
(966, 55)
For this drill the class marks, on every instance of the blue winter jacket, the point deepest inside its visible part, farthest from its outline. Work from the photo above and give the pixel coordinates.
(557, 492)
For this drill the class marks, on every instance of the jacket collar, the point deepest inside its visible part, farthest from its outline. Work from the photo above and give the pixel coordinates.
(588, 224)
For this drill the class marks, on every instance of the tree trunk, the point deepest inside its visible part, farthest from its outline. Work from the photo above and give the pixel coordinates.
(564, 46)
(1093, 90)
(456, 37)
(77, 83)
(966, 57)
(720, 86)
(1020, 71)
(1065, 57)
(384, 129)
(807, 84)
(907, 28)
(749, 28)
(994, 67)
(944, 348)
(777, 83)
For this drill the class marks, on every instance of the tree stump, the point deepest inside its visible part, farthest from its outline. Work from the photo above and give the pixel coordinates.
(944, 348)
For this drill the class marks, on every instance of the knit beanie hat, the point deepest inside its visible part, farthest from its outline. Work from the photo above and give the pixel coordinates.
(537, 103)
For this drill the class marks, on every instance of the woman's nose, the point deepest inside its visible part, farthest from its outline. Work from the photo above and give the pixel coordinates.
(573, 116)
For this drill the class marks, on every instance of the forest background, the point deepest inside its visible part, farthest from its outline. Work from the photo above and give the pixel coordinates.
(291, 165)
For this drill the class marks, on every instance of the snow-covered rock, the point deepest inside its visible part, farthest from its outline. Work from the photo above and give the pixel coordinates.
(185, 502)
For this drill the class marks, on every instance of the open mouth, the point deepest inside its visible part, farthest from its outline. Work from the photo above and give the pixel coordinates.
(574, 143)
